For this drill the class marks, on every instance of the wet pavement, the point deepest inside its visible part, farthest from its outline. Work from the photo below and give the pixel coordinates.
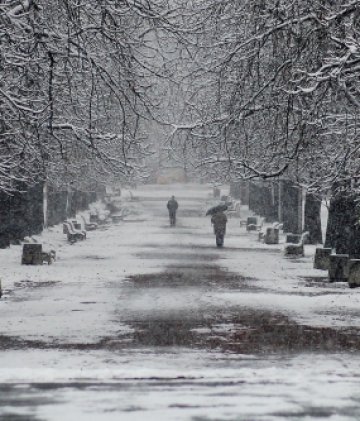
(171, 348)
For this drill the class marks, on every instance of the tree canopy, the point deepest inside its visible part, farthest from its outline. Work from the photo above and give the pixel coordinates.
(233, 89)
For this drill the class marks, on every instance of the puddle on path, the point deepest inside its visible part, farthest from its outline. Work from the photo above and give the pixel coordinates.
(210, 247)
(201, 276)
(205, 326)
(243, 331)
(236, 329)
(177, 256)
(26, 283)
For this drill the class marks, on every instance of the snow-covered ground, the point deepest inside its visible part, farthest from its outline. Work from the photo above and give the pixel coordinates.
(54, 320)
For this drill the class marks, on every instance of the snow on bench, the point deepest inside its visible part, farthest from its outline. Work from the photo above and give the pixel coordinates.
(73, 234)
(294, 245)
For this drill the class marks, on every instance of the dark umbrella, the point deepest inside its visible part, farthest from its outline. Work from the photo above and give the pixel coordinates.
(217, 208)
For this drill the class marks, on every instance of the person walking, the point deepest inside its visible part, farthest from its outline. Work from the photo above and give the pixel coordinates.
(172, 206)
(219, 221)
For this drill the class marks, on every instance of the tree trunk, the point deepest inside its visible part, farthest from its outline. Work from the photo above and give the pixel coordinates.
(291, 207)
(4, 220)
(35, 197)
(235, 189)
(312, 222)
(342, 231)
(45, 204)
(244, 193)
(57, 202)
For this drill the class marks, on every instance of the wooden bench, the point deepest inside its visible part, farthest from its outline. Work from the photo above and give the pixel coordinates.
(93, 218)
(100, 217)
(292, 238)
(72, 234)
(104, 218)
(272, 235)
(254, 223)
(88, 226)
(117, 217)
(76, 226)
(294, 245)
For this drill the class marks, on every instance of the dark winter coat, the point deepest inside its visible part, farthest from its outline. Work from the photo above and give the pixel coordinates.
(219, 221)
(172, 205)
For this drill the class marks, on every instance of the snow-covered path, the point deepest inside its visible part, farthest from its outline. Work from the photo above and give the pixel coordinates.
(136, 322)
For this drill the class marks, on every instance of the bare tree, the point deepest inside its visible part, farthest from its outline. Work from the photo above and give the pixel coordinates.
(274, 88)
(74, 92)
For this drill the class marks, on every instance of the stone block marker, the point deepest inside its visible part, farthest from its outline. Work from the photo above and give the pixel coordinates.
(354, 273)
(32, 254)
(338, 268)
(322, 258)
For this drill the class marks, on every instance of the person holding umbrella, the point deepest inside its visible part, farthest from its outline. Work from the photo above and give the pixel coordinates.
(172, 206)
(219, 221)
